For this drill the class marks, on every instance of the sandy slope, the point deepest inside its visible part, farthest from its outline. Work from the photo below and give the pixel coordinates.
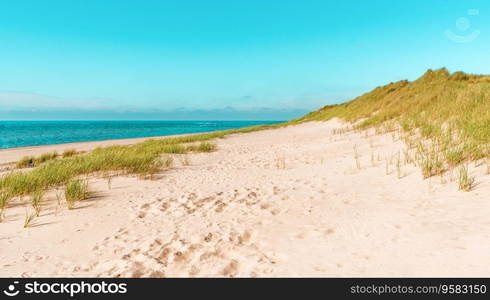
(284, 202)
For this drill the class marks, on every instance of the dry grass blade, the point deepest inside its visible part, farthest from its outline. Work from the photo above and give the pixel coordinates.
(466, 182)
(36, 199)
(4, 199)
(28, 218)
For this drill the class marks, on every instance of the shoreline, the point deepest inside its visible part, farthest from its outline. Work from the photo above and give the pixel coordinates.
(11, 155)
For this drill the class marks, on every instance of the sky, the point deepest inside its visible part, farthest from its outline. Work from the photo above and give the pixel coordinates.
(254, 59)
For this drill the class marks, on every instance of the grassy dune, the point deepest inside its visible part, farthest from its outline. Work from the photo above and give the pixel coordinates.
(444, 117)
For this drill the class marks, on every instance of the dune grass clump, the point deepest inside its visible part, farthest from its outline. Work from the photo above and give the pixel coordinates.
(431, 165)
(76, 190)
(45, 157)
(25, 162)
(30, 161)
(36, 199)
(167, 161)
(202, 147)
(69, 153)
(28, 218)
(466, 182)
(4, 199)
(454, 156)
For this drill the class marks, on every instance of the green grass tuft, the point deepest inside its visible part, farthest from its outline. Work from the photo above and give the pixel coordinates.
(30, 161)
(25, 162)
(466, 182)
(69, 153)
(76, 190)
(4, 199)
(36, 199)
(45, 157)
(202, 147)
(28, 218)
(167, 161)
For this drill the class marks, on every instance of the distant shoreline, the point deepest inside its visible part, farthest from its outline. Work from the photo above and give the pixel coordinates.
(11, 155)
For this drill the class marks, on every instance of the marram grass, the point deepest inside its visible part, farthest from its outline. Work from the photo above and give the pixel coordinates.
(29, 161)
(143, 159)
(69, 153)
(76, 190)
(448, 113)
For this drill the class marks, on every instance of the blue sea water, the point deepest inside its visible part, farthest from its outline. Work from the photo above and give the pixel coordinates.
(32, 133)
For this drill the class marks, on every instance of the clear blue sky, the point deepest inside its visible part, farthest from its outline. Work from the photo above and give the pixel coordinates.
(249, 59)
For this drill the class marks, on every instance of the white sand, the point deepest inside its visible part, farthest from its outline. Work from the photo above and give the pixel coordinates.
(284, 202)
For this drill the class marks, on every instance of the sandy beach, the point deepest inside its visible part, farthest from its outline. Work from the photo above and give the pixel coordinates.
(284, 202)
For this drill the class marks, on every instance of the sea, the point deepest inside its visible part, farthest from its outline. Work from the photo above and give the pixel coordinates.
(15, 134)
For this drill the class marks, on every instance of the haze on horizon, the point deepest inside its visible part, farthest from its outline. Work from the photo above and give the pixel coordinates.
(255, 60)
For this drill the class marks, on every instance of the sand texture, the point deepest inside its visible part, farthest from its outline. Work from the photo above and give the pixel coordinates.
(285, 202)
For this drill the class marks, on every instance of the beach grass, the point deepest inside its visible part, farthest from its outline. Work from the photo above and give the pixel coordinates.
(76, 190)
(30, 161)
(28, 218)
(449, 114)
(36, 199)
(202, 147)
(185, 161)
(45, 157)
(466, 182)
(25, 162)
(69, 153)
(143, 159)
(4, 199)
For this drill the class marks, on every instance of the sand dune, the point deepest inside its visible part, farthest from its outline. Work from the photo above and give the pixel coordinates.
(283, 202)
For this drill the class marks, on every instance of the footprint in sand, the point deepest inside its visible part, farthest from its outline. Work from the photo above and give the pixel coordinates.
(231, 269)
